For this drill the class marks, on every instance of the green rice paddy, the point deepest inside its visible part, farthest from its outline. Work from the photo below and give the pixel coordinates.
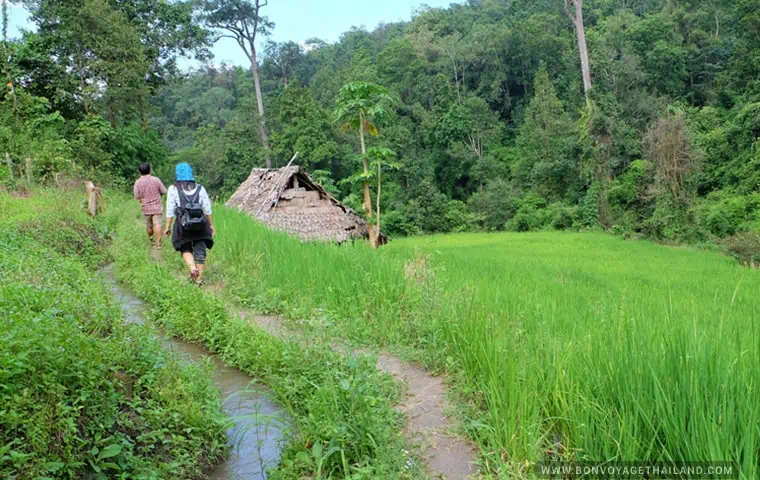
(577, 346)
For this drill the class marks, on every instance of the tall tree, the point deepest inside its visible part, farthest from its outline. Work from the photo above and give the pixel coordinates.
(576, 15)
(282, 60)
(241, 21)
(6, 57)
(546, 140)
(360, 106)
(98, 54)
(6, 68)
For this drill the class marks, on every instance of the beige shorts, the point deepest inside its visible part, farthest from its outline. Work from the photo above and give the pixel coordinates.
(153, 221)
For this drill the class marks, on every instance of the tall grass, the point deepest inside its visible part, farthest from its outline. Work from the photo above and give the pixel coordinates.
(345, 425)
(585, 344)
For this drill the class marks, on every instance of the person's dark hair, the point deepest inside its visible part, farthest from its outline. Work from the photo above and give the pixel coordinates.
(186, 185)
(144, 168)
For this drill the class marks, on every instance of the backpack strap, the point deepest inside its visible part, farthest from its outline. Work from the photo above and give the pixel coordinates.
(184, 199)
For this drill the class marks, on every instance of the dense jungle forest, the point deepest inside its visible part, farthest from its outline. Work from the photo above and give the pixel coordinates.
(484, 110)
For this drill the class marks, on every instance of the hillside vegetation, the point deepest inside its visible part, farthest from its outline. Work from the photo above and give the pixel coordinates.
(487, 116)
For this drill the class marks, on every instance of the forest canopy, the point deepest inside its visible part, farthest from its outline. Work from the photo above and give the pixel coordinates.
(491, 123)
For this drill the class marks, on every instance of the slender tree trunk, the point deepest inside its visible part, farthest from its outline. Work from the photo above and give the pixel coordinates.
(263, 133)
(367, 197)
(12, 89)
(585, 67)
(143, 114)
(376, 243)
(456, 81)
(28, 169)
(6, 57)
(580, 30)
(10, 166)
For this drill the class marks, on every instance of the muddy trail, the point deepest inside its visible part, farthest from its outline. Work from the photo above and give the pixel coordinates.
(259, 424)
(446, 455)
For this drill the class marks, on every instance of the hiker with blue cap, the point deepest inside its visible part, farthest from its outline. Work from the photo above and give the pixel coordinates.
(189, 221)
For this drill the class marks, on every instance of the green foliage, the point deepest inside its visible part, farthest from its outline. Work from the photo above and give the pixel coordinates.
(745, 247)
(723, 214)
(304, 127)
(547, 139)
(83, 395)
(487, 93)
(495, 204)
(359, 102)
(466, 96)
(130, 146)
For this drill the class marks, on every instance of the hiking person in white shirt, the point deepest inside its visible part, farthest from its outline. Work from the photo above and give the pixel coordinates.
(188, 211)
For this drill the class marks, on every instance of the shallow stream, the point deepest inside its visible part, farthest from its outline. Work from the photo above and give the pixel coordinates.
(257, 435)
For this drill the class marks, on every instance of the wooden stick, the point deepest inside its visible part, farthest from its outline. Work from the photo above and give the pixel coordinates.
(94, 197)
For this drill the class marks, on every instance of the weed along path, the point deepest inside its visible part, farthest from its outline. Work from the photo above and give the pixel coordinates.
(259, 424)
(446, 455)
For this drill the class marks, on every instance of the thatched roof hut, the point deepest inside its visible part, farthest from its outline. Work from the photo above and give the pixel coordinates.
(288, 199)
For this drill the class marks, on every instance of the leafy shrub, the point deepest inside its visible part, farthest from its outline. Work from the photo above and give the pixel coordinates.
(630, 187)
(396, 224)
(588, 215)
(82, 395)
(459, 218)
(495, 205)
(427, 209)
(745, 247)
(562, 217)
(724, 214)
(669, 221)
(533, 214)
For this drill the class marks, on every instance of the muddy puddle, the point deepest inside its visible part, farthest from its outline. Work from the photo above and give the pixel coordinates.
(257, 436)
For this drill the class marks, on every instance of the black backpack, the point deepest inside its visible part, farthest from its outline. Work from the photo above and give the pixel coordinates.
(191, 216)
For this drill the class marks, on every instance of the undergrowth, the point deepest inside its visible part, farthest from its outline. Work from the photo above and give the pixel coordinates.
(81, 395)
(345, 425)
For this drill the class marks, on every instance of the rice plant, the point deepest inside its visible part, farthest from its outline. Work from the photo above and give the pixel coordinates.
(582, 346)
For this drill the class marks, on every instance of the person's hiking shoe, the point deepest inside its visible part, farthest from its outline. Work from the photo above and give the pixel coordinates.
(194, 274)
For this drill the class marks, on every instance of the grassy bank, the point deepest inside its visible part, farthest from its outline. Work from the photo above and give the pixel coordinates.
(81, 395)
(344, 422)
(584, 344)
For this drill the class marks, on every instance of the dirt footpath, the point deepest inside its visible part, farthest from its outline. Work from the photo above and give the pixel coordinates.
(446, 455)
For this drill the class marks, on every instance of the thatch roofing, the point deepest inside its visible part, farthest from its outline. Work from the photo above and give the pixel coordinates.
(288, 199)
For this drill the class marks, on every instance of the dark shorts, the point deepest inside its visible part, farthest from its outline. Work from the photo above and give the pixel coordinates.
(198, 249)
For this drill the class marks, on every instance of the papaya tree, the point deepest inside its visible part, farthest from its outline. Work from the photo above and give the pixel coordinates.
(362, 106)
(378, 158)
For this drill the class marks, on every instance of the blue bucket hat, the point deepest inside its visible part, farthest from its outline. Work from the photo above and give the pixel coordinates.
(184, 172)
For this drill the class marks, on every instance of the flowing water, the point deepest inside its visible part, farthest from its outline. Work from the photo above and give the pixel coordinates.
(257, 435)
